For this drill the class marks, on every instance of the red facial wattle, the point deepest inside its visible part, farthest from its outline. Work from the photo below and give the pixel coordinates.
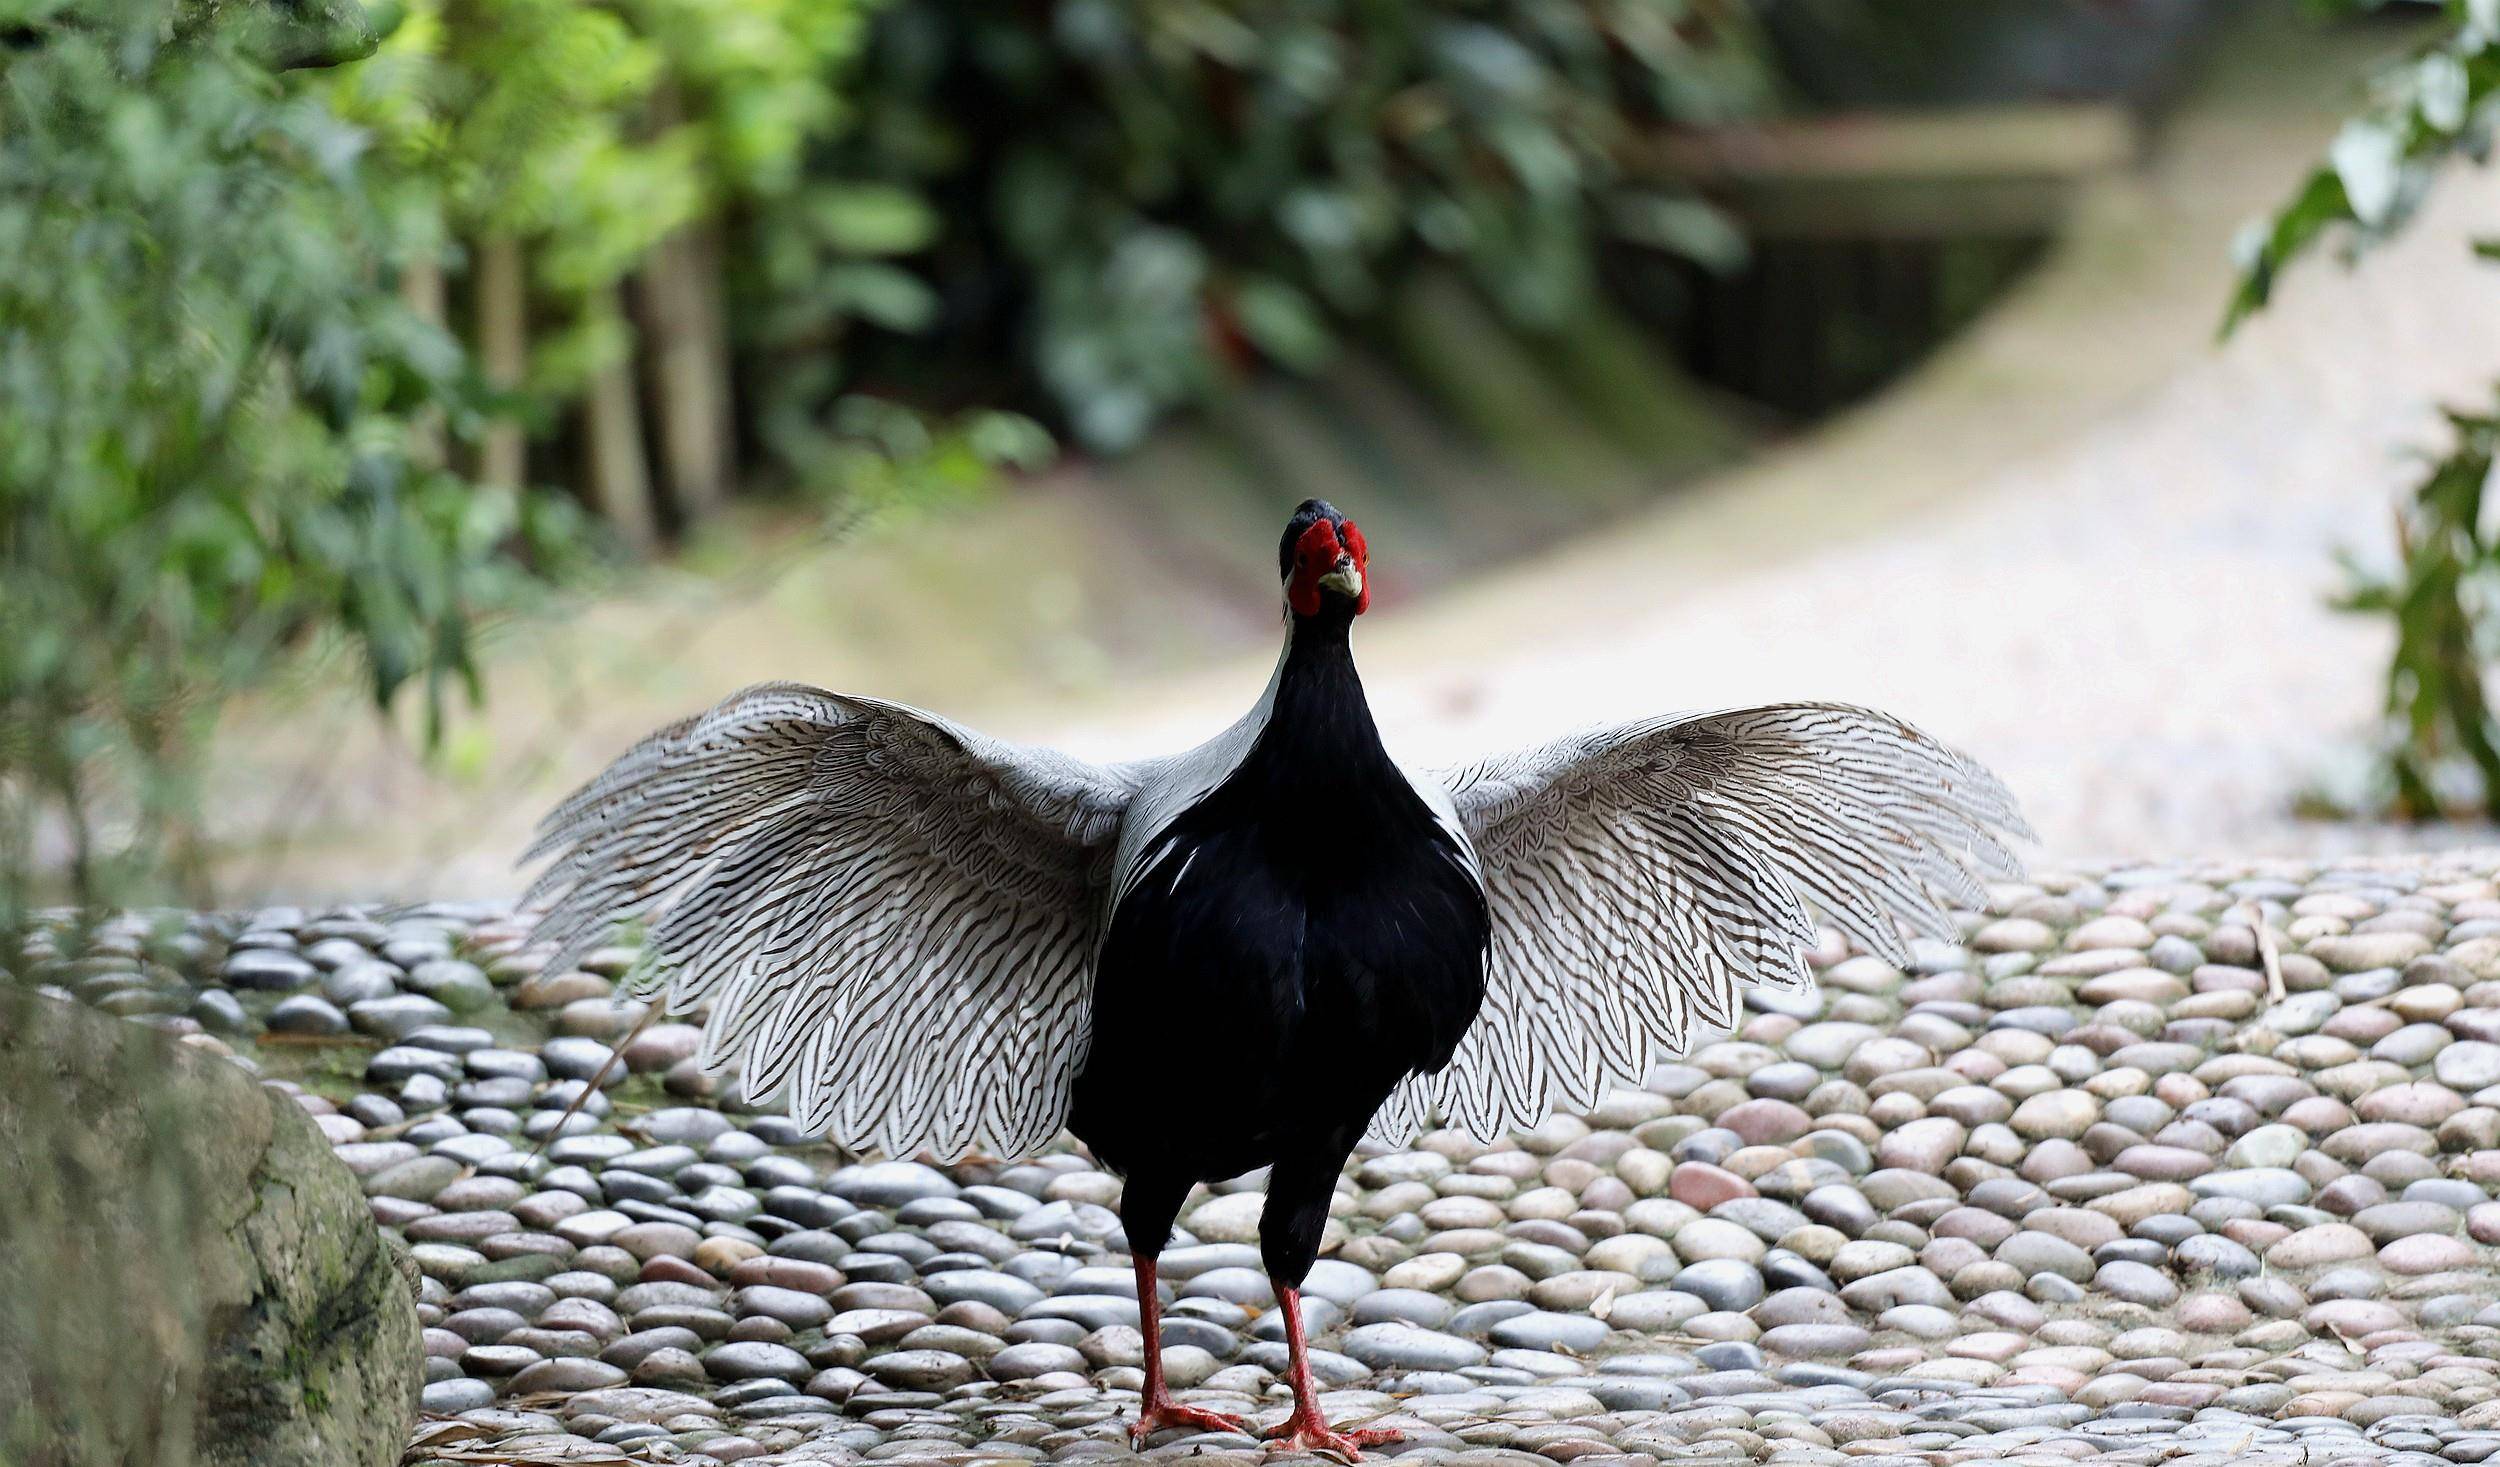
(1354, 546)
(1316, 554)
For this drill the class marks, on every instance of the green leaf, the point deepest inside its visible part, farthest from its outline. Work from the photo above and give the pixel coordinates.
(1682, 226)
(2319, 204)
(1283, 323)
(872, 219)
(882, 295)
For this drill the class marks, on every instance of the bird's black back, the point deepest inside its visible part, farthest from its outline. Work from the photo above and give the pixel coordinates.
(1299, 941)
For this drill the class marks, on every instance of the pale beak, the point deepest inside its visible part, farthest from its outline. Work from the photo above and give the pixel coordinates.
(1346, 578)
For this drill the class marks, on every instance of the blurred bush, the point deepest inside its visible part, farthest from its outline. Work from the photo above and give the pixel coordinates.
(2442, 596)
(208, 426)
(665, 226)
(623, 198)
(1134, 200)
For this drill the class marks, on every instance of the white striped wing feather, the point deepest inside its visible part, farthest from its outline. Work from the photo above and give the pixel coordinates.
(1639, 876)
(891, 918)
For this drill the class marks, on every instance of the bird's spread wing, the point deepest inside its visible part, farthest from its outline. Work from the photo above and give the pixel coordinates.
(892, 919)
(1639, 875)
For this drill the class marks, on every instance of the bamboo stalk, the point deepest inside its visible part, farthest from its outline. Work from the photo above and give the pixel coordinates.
(421, 290)
(686, 356)
(503, 351)
(686, 348)
(620, 477)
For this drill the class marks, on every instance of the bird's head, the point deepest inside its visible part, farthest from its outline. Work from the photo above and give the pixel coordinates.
(1323, 560)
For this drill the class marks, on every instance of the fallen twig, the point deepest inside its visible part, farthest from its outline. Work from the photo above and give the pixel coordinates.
(2269, 954)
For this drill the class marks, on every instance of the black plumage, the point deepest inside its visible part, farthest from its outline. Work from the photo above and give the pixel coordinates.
(1296, 943)
(1311, 925)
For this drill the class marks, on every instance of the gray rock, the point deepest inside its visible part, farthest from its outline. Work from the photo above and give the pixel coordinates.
(2214, 1254)
(574, 1057)
(692, 1126)
(450, 1397)
(2265, 1186)
(357, 983)
(1406, 1347)
(220, 1011)
(1812, 1341)
(888, 1183)
(505, 1065)
(226, 1253)
(2136, 1283)
(921, 1370)
(1023, 1362)
(302, 1013)
(1895, 1287)
(415, 1180)
(396, 1016)
(1722, 1283)
(1402, 1306)
(757, 1360)
(2468, 1066)
(1053, 1220)
(798, 1310)
(2033, 1253)
(2388, 1221)
(569, 1374)
(1544, 1330)
(631, 1350)
(267, 969)
(458, 986)
(459, 1039)
(1091, 1311)
(1003, 1292)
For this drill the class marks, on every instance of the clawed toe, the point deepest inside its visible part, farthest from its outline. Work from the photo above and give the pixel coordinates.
(1172, 1413)
(1307, 1434)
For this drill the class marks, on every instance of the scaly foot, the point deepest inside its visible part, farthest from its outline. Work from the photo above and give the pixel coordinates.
(1162, 1414)
(1310, 1433)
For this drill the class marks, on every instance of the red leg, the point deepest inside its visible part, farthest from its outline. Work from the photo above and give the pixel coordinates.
(1307, 1430)
(1158, 1410)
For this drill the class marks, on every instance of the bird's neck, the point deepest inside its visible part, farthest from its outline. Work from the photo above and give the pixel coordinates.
(1317, 717)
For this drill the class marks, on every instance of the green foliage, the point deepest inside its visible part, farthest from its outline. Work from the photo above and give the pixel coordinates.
(1136, 198)
(205, 429)
(2443, 596)
(590, 134)
(2444, 599)
(518, 118)
(2436, 105)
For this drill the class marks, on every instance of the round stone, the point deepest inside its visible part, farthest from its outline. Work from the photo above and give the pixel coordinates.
(1542, 1330)
(267, 969)
(2061, 1114)
(568, 1374)
(1729, 1284)
(757, 1360)
(306, 1014)
(1399, 1346)
(2136, 1283)
(2467, 1066)
(1025, 1361)
(2324, 1243)
(921, 1370)
(1708, 1238)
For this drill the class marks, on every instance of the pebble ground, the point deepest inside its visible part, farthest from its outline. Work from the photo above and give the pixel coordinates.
(2185, 1165)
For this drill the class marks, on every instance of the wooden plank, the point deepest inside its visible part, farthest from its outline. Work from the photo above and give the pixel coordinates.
(1991, 170)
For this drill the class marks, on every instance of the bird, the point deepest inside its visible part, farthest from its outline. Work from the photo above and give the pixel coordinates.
(923, 940)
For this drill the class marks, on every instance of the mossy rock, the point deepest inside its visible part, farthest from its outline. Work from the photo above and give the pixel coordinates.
(187, 1274)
